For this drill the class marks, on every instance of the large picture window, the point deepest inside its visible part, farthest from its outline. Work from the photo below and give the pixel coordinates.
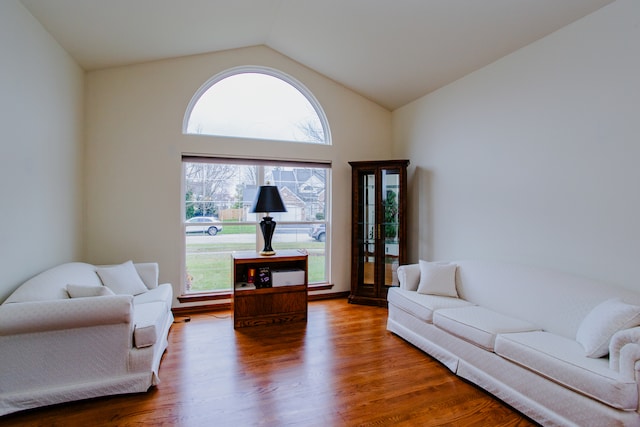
(218, 194)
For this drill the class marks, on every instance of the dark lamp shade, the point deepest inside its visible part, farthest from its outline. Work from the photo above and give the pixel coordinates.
(268, 200)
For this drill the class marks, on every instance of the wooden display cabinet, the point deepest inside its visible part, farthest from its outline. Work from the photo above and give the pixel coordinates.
(379, 228)
(266, 305)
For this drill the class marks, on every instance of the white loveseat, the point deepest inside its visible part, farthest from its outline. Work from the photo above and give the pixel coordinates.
(65, 335)
(523, 334)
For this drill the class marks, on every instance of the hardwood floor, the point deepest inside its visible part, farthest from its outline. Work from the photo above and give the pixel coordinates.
(341, 368)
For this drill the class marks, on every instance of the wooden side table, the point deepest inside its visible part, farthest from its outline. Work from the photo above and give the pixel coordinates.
(275, 304)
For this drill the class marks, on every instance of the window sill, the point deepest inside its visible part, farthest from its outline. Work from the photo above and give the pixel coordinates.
(204, 296)
(212, 296)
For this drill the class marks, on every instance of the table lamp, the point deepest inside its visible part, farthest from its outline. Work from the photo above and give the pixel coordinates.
(268, 200)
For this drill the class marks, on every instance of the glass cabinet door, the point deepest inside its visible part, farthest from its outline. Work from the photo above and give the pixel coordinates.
(379, 228)
(390, 225)
(366, 225)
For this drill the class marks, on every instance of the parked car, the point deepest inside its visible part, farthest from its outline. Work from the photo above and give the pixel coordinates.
(203, 224)
(318, 232)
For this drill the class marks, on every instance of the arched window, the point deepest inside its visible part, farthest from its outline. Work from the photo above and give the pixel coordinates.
(258, 103)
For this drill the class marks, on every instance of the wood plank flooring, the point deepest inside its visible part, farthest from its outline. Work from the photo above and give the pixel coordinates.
(340, 368)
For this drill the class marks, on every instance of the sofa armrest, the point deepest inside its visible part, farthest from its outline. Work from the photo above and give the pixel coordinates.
(619, 340)
(630, 362)
(409, 276)
(148, 272)
(41, 316)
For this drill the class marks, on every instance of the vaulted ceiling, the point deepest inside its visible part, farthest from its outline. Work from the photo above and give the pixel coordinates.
(391, 51)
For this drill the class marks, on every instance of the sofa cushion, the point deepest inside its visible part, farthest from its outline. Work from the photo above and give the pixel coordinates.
(82, 291)
(420, 305)
(437, 279)
(163, 293)
(603, 322)
(122, 279)
(148, 319)
(479, 325)
(562, 360)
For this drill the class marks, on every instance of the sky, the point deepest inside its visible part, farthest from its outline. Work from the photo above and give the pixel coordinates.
(253, 105)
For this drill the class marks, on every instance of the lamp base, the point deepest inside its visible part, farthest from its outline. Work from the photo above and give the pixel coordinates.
(268, 226)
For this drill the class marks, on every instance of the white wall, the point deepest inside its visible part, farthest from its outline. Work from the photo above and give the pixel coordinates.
(41, 111)
(135, 142)
(535, 158)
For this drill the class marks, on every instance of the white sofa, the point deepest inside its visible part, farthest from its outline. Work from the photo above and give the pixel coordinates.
(523, 334)
(65, 335)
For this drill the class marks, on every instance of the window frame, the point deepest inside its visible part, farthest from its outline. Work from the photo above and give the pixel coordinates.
(262, 163)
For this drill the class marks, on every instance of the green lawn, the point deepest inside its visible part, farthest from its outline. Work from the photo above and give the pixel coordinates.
(238, 229)
(209, 265)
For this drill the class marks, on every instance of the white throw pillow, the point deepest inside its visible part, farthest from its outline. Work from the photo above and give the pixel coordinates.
(603, 322)
(437, 279)
(80, 291)
(122, 279)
